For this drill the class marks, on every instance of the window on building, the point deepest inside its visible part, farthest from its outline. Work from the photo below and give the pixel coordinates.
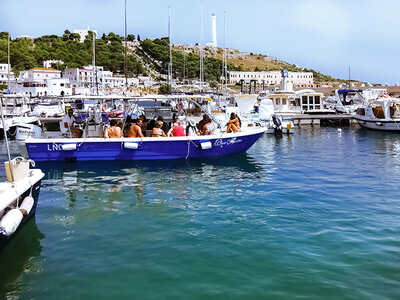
(284, 101)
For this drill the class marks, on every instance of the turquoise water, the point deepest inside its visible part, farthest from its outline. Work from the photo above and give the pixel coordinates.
(314, 215)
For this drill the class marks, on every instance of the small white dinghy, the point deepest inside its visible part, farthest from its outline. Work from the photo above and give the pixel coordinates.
(18, 197)
(18, 194)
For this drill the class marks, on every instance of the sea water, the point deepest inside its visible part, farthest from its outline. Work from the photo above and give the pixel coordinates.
(313, 215)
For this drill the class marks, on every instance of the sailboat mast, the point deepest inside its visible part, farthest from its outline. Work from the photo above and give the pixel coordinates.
(125, 53)
(9, 66)
(5, 130)
(224, 60)
(170, 48)
(201, 47)
(349, 76)
(95, 86)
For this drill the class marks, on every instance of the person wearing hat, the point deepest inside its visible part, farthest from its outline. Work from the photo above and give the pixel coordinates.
(69, 121)
(191, 129)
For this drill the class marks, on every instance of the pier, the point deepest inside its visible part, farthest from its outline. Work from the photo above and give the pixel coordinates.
(321, 119)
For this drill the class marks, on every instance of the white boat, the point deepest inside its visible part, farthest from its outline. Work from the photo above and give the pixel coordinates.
(16, 113)
(18, 194)
(380, 114)
(349, 100)
(18, 197)
(261, 112)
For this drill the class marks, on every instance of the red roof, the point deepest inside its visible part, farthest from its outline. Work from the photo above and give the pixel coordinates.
(43, 69)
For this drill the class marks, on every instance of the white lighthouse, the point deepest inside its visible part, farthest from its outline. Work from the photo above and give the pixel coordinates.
(214, 30)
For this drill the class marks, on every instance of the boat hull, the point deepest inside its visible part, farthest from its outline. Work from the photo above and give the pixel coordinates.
(4, 240)
(141, 148)
(382, 125)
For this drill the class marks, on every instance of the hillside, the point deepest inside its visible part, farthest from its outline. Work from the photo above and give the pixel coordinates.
(147, 57)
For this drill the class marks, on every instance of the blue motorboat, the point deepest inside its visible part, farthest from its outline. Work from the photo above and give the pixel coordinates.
(146, 148)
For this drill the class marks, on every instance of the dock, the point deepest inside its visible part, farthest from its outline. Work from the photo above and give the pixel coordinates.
(321, 119)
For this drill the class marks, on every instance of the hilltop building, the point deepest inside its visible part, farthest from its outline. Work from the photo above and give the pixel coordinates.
(4, 74)
(297, 79)
(83, 33)
(48, 63)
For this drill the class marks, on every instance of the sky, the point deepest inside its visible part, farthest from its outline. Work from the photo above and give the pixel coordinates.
(329, 36)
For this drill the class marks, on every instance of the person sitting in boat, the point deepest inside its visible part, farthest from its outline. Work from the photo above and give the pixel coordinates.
(200, 125)
(69, 121)
(157, 131)
(234, 124)
(176, 128)
(165, 126)
(113, 131)
(209, 127)
(135, 130)
(144, 123)
(191, 129)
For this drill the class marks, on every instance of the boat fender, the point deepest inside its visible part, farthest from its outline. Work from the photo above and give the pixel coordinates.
(26, 205)
(133, 146)
(68, 147)
(10, 222)
(205, 145)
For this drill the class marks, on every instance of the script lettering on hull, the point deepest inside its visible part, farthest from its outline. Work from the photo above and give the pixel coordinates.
(222, 143)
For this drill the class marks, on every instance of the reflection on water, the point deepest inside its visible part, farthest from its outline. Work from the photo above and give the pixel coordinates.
(20, 258)
(94, 189)
(312, 215)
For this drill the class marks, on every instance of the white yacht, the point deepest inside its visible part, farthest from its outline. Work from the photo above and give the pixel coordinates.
(382, 113)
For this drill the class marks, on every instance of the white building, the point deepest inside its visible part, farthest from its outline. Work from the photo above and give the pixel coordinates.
(90, 78)
(297, 79)
(39, 82)
(38, 75)
(48, 63)
(83, 33)
(4, 74)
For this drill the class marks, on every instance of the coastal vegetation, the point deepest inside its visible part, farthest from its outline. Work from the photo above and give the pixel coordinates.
(148, 56)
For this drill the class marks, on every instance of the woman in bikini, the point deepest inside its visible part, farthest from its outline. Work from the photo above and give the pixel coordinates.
(234, 124)
(157, 131)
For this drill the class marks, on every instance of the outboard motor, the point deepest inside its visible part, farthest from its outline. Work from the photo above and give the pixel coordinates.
(277, 123)
(28, 131)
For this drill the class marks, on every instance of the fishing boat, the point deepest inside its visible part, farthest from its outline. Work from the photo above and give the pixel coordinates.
(18, 194)
(93, 146)
(380, 114)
